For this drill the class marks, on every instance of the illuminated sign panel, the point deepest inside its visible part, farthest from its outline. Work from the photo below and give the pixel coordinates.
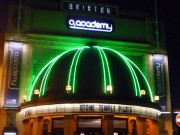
(90, 25)
(91, 108)
(89, 8)
(159, 75)
(14, 70)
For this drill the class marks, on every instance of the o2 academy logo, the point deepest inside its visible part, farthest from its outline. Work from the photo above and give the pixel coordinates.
(90, 25)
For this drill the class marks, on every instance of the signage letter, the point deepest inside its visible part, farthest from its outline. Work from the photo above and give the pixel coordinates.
(102, 10)
(70, 6)
(108, 11)
(89, 8)
(77, 6)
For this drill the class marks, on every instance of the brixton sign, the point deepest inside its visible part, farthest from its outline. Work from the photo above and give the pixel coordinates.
(90, 25)
(90, 8)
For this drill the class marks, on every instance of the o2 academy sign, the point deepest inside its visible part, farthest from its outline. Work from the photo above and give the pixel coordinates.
(90, 25)
(89, 8)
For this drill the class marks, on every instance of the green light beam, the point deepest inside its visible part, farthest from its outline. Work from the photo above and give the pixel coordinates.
(149, 89)
(103, 66)
(44, 68)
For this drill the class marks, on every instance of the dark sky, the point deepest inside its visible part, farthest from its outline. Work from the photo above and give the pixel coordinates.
(171, 17)
(168, 11)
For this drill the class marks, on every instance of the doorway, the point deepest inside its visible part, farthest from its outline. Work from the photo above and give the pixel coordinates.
(58, 126)
(89, 126)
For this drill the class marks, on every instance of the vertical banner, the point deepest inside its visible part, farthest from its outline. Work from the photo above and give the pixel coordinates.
(14, 60)
(159, 74)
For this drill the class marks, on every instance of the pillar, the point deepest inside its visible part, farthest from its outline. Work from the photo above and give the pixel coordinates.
(108, 124)
(37, 126)
(155, 128)
(69, 125)
(141, 126)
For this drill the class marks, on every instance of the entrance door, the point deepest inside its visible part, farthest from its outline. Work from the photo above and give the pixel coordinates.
(120, 126)
(89, 126)
(58, 126)
(89, 132)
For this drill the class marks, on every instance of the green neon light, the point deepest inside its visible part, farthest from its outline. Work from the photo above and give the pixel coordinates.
(134, 76)
(74, 63)
(128, 60)
(75, 69)
(105, 66)
(132, 73)
(37, 78)
(45, 78)
(44, 68)
(149, 88)
(71, 67)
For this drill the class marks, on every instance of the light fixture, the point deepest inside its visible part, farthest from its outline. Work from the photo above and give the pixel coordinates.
(36, 92)
(68, 88)
(24, 97)
(143, 92)
(156, 98)
(109, 88)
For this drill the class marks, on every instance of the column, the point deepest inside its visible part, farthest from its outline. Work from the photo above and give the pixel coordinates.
(108, 124)
(155, 128)
(141, 126)
(37, 126)
(69, 125)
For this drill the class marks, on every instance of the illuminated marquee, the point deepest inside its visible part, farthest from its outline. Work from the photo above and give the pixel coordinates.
(159, 77)
(14, 70)
(91, 25)
(90, 108)
(159, 70)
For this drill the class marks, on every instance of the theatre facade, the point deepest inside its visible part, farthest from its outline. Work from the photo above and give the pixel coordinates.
(79, 68)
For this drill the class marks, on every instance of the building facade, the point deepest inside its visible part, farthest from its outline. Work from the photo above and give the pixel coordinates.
(79, 68)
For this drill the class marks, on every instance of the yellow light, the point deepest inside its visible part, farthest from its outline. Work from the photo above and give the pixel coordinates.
(156, 98)
(24, 97)
(36, 92)
(109, 88)
(143, 92)
(68, 88)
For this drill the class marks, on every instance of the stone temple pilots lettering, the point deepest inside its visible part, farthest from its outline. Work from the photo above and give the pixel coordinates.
(106, 108)
(92, 25)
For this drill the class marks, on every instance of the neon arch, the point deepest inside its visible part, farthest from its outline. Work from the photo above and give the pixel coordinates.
(50, 63)
(72, 76)
(129, 62)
